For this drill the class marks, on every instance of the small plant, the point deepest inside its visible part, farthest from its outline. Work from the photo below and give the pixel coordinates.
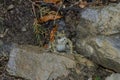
(97, 78)
(43, 15)
(40, 33)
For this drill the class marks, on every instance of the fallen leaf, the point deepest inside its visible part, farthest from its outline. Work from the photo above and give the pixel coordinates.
(52, 33)
(49, 17)
(52, 1)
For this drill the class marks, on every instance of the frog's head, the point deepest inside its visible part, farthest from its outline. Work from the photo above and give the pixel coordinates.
(60, 34)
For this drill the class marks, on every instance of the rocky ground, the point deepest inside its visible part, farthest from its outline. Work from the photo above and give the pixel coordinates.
(82, 71)
(17, 17)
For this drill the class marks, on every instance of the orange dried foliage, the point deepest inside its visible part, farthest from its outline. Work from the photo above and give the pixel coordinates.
(49, 17)
(52, 33)
(52, 1)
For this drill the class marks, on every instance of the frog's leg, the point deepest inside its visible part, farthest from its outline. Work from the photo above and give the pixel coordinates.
(70, 45)
(53, 46)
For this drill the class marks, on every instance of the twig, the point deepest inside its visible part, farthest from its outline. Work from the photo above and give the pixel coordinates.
(53, 7)
(33, 8)
(76, 3)
(58, 11)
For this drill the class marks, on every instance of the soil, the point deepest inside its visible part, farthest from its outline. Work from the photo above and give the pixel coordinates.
(18, 19)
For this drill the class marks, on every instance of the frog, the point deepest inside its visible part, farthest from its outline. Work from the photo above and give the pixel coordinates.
(61, 43)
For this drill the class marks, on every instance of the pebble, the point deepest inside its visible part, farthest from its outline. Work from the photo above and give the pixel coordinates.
(23, 29)
(10, 7)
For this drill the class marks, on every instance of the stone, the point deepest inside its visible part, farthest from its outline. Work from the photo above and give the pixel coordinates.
(23, 29)
(103, 21)
(114, 76)
(31, 63)
(10, 7)
(108, 52)
(35, 63)
(98, 36)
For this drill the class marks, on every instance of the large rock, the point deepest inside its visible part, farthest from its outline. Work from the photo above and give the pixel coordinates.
(114, 76)
(98, 35)
(35, 63)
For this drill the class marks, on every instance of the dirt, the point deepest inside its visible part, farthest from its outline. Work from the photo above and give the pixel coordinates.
(15, 18)
(18, 19)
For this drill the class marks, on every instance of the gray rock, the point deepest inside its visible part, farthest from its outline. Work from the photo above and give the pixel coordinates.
(105, 21)
(98, 36)
(10, 7)
(34, 63)
(23, 29)
(114, 76)
(107, 51)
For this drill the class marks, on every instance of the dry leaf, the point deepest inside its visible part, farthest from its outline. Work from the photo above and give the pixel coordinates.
(52, 1)
(49, 17)
(83, 4)
(52, 33)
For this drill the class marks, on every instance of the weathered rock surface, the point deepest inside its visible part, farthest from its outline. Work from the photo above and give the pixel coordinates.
(98, 35)
(34, 63)
(114, 76)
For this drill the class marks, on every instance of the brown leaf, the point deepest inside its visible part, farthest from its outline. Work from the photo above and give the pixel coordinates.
(52, 33)
(49, 17)
(52, 1)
